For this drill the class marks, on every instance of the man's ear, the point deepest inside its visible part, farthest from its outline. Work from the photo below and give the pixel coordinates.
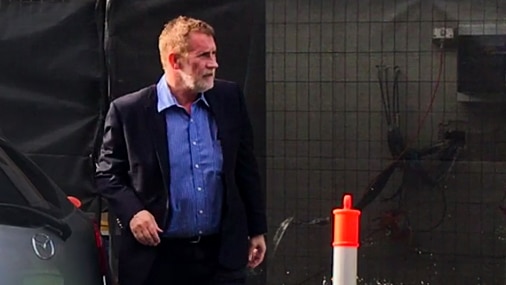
(174, 61)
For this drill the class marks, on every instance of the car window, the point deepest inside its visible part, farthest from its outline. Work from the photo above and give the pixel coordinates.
(8, 191)
(26, 184)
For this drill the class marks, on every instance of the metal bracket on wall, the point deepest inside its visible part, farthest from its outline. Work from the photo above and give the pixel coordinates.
(444, 37)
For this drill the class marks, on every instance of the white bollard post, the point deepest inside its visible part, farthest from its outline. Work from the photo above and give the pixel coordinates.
(345, 244)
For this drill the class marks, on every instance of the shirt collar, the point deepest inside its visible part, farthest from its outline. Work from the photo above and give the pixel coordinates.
(166, 99)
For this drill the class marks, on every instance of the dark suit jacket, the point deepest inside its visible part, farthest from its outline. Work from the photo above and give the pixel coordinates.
(133, 174)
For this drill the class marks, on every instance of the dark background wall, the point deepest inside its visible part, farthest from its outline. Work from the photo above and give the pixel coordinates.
(52, 86)
(326, 135)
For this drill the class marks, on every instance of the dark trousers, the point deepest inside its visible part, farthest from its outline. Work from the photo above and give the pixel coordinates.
(192, 262)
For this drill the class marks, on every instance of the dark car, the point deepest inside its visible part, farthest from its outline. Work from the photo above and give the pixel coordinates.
(44, 237)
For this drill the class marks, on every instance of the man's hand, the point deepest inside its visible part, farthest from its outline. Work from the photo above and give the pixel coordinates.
(257, 250)
(145, 229)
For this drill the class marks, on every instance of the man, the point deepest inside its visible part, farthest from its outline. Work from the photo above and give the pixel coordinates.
(178, 170)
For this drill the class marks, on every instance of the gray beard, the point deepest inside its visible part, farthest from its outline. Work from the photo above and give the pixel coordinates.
(195, 85)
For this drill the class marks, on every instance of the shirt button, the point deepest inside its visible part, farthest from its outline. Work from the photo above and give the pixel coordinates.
(201, 232)
(191, 120)
(196, 166)
(199, 188)
(194, 143)
(201, 212)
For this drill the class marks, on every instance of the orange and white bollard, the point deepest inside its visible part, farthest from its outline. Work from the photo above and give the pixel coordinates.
(345, 244)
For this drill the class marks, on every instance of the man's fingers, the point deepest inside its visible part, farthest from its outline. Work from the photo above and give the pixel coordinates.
(150, 238)
(147, 236)
(252, 254)
(255, 258)
(154, 229)
(254, 262)
(153, 232)
(140, 237)
(143, 237)
(256, 251)
(145, 228)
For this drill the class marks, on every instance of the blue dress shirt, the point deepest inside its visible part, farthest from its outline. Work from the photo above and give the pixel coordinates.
(195, 161)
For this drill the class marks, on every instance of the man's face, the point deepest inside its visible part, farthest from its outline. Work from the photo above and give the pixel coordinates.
(198, 67)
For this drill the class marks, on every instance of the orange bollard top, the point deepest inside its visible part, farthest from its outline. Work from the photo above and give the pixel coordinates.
(346, 225)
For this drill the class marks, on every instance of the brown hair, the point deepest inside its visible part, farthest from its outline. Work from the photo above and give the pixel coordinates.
(174, 36)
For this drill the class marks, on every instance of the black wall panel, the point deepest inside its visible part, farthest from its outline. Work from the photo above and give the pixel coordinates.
(52, 85)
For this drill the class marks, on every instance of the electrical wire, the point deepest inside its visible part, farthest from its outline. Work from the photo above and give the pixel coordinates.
(384, 96)
(373, 192)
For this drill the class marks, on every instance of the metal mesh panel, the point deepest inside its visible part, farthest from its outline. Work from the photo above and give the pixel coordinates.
(438, 217)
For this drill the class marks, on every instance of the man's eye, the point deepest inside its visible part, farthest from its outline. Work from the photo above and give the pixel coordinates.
(208, 54)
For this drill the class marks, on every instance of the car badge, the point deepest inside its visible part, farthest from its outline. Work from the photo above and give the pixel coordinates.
(43, 246)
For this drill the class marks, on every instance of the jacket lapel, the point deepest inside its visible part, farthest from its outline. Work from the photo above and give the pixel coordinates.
(219, 114)
(216, 110)
(158, 132)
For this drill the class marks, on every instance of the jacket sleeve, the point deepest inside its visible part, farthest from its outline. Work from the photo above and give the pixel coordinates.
(111, 177)
(247, 175)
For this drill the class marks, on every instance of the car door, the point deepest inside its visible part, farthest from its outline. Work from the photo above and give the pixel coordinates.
(43, 238)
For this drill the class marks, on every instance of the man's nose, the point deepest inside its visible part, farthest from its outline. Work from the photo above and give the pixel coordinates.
(213, 64)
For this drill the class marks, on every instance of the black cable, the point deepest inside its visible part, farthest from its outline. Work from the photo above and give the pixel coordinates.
(382, 93)
(377, 184)
(387, 95)
(396, 108)
(441, 178)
